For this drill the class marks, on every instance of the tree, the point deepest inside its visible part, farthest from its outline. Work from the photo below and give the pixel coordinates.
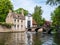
(37, 15)
(55, 16)
(43, 21)
(5, 5)
(53, 2)
(19, 11)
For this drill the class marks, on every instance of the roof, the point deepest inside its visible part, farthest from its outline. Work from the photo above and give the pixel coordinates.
(47, 22)
(29, 15)
(17, 16)
(34, 22)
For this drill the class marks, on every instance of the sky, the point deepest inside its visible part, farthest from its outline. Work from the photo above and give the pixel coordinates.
(30, 4)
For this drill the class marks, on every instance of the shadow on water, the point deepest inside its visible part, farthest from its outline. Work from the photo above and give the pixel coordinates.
(3, 37)
(36, 39)
(57, 38)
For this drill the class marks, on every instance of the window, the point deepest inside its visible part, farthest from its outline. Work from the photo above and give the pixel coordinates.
(21, 25)
(21, 20)
(28, 17)
(28, 24)
(18, 20)
(14, 26)
(14, 20)
(18, 26)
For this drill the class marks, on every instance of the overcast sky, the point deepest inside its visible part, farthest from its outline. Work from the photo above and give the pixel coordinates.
(30, 4)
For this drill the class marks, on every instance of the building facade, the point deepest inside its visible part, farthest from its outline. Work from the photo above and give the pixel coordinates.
(18, 21)
(28, 21)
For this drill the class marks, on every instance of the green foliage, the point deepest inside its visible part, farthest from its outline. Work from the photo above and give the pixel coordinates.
(42, 21)
(20, 10)
(5, 24)
(55, 17)
(53, 2)
(37, 15)
(5, 5)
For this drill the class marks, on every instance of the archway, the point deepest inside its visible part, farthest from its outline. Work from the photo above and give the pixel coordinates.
(36, 30)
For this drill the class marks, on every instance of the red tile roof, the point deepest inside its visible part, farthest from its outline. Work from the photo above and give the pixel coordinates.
(34, 22)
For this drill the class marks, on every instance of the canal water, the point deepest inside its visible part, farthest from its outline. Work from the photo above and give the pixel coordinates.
(29, 38)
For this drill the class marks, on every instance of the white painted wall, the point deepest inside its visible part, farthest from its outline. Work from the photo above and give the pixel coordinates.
(28, 19)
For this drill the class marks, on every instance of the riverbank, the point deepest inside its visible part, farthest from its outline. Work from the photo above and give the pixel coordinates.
(11, 31)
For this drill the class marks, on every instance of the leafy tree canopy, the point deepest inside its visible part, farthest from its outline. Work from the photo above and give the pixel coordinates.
(5, 5)
(20, 10)
(37, 15)
(55, 16)
(53, 2)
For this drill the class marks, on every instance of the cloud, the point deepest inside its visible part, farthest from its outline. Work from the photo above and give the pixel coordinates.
(30, 4)
(26, 4)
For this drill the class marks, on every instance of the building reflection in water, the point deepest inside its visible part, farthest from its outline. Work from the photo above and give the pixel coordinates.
(13, 38)
(28, 38)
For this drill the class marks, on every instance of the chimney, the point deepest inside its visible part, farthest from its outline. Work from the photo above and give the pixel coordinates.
(22, 12)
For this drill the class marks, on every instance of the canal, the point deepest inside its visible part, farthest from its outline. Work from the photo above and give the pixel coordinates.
(29, 38)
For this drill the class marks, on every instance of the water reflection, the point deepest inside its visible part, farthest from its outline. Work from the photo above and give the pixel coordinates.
(57, 39)
(36, 39)
(29, 38)
(47, 39)
(12, 39)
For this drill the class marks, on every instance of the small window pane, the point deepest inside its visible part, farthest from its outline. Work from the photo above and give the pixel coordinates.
(18, 20)
(15, 26)
(21, 25)
(21, 21)
(18, 26)
(14, 20)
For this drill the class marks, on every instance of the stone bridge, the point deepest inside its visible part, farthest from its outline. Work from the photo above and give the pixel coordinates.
(35, 29)
(40, 29)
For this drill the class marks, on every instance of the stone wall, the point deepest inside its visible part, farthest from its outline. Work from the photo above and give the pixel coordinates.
(4, 29)
(12, 38)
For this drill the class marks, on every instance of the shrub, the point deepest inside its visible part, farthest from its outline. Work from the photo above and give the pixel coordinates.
(6, 24)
